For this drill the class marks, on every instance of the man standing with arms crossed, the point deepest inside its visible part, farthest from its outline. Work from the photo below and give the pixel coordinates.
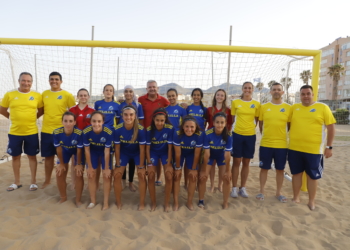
(273, 124)
(56, 102)
(25, 107)
(308, 143)
(150, 102)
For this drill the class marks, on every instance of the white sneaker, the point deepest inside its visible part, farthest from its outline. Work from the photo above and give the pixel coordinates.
(234, 192)
(242, 192)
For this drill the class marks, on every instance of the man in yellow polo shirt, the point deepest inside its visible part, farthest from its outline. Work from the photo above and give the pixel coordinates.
(273, 124)
(25, 107)
(56, 102)
(308, 142)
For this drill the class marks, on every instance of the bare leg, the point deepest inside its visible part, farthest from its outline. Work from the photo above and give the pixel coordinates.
(33, 166)
(49, 162)
(226, 190)
(92, 188)
(177, 179)
(142, 189)
(311, 187)
(245, 171)
(235, 170)
(221, 174)
(192, 182)
(16, 165)
(159, 170)
(168, 187)
(79, 185)
(279, 181)
(212, 179)
(118, 186)
(106, 192)
(151, 186)
(98, 174)
(263, 178)
(62, 183)
(72, 173)
(186, 175)
(203, 183)
(296, 182)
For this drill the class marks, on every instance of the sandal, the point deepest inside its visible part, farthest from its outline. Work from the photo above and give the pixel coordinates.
(282, 198)
(260, 197)
(33, 187)
(13, 187)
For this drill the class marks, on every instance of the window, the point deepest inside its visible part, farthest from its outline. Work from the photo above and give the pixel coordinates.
(323, 70)
(324, 61)
(347, 82)
(347, 72)
(322, 78)
(328, 52)
(347, 63)
(345, 46)
(348, 53)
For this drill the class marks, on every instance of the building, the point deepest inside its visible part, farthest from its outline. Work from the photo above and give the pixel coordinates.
(335, 95)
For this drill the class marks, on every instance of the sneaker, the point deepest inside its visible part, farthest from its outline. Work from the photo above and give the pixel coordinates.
(201, 204)
(242, 192)
(234, 192)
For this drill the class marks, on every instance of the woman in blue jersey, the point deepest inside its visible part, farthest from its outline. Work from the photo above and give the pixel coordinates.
(68, 142)
(97, 140)
(188, 142)
(217, 147)
(129, 143)
(175, 112)
(159, 137)
(130, 99)
(197, 109)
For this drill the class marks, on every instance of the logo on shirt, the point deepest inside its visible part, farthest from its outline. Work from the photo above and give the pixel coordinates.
(268, 110)
(90, 139)
(81, 115)
(121, 137)
(31, 98)
(261, 164)
(282, 110)
(297, 109)
(176, 111)
(46, 97)
(16, 98)
(317, 175)
(190, 110)
(165, 136)
(223, 142)
(103, 139)
(211, 142)
(74, 142)
(193, 143)
(9, 151)
(88, 115)
(239, 106)
(312, 110)
(59, 97)
(152, 160)
(252, 106)
(110, 108)
(201, 111)
(99, 107)
(154, 139)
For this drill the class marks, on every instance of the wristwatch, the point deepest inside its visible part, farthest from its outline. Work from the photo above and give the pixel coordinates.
(117, 166)
(329, 147)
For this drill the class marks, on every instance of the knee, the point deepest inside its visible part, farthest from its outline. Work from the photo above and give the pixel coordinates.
(177, 176)
(203, 179)
(192, 178)
(16, 158)
(141, 176)
(151, 175)
(168, 176)
(118, 176)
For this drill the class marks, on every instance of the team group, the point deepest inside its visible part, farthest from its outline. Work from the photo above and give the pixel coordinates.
(153, 133)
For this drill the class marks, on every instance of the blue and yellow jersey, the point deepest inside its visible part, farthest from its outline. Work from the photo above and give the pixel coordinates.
(55, 104)
(110, 110)
(198, 113)
(159, 140)
(176, 114)
(216, 143)
(245, 114)
(68, 143)
(97, 142)
(23, 111)
(188, 143)
(123, 137)
(275, 130)
(308, 127)
(140, 115)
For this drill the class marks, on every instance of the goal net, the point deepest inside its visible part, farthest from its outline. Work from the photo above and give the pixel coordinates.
(185, 69)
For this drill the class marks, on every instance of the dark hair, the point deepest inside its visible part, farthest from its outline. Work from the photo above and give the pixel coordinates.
(54, 73)
(25, 73)
(112, 87)
(275, 84)
(224, 132)
(160, 111)
(69, 113)
(136, 121)
(201, 103)
(241, 96)
(307, 87)
(186, 119)
(172, 89)
(98, 112)
(223, 103)
(82, 89)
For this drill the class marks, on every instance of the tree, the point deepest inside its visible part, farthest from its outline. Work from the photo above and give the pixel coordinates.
(335, 71)
(271, 83)
(260, 86)
(287, 82)
(305, 76)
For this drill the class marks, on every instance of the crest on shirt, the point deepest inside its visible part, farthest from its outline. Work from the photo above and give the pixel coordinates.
(59, 97)
(201, 111)
(9, 150)
(31, 98)
(176, 111)
(110, 108)
(252, 106)
(103, 139)
(88, 115)
(282, 110)
(312, 110)
(165, 136)
(74, 142)
(223, 142)
(211, 142)
(193, 143)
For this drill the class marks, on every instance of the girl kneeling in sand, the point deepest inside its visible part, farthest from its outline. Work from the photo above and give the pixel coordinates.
(129, 140)
(97, 142)
(159, 147)
(188, 142)
(68, 142)
(217, 147)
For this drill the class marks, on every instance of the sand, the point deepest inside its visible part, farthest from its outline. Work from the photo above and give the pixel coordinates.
(35, 220)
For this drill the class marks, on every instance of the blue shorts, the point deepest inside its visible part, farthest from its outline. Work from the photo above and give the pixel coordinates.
(29, 144)
(243, 146)
(189, 162)
(312, 164)
(155, 158)
(47, 147)
(220, 160)
(98, 157)
(124, 159)
(278, 155)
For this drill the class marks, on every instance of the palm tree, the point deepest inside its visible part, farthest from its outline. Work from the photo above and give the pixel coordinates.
(335, 71)
(286, 82)
(271, 83)
(260, 86)
(305, 76)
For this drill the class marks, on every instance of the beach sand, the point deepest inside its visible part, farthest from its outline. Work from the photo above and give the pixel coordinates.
(35, 220)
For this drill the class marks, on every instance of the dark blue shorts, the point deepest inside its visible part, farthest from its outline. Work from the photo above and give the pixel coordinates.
(29, 144)
(278, 155)
(189, 162)
(220, 160)
(124, 159)
(47, 147)
(97, 158)
(155, 158)
(312, 164)
(243, 146)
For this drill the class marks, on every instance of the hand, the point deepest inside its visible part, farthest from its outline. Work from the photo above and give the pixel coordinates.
(141, 171)
(91, 172)
(60, 168)
(328, 152)
(227, 176)
(107, 173)
(193, 173)
(79, 170)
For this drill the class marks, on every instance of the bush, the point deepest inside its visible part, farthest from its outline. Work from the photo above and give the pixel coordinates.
(342, 116)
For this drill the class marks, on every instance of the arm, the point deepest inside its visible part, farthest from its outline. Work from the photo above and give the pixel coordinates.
(142, 155)
(197, 155)
(107, 171)
(148, 154)
(170, 154)
(90, 170)
(61, 166)
(40, 112)
(79, 167)
(288, 126)
(116, 121)
(330, 138)
(261, 126)
(205, 161)
(141, 122)
(177, 156)
(256, 121)
(117, 154)
(4, 112)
